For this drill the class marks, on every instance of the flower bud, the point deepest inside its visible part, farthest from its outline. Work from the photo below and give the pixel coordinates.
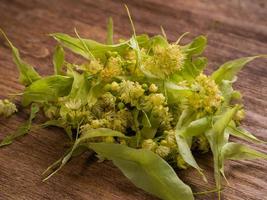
(162, 151)
(149, 144)
(153, 88)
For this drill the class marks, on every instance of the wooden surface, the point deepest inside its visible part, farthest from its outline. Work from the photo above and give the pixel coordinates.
(234, 29)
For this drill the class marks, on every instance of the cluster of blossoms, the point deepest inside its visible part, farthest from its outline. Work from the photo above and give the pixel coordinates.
(165, 60)
(7, 108)
(206, 97)
(121, 97)
(143, 93)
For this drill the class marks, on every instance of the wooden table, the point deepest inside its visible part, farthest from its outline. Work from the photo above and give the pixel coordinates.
(235, 28)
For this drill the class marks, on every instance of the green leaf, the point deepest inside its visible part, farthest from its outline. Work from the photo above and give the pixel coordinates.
(97, 49)
(184, 134)
(100, 132)
(216, 138)
(27, 74)
(47, 89)
(58, 60)
(229, 69)
(191, 69)
(80, 88)
(243, 134)
(175, 92)
(235, 151)
(196, 47)
(227, 92)
(23, 129)
(146, 170)
(110, 31)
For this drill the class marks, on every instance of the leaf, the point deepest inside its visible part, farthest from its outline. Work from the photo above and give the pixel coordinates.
(227, 92)
(182, 135)
(58, 60)
(243, 134)
(100, 132)
(110, 31)
(23, 129)
(216, 138)
(196, 47)
(145, 120)
(235, 151)
(47, 89)
(27, 74)
(191, 69)
(97, 49)
(175, 92)
(80, 89)
(146, 170)
(229, 69)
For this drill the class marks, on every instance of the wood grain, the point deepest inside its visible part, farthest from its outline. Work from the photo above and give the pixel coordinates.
(234, 28)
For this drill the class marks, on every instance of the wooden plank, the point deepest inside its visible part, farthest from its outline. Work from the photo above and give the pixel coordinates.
(235, 28)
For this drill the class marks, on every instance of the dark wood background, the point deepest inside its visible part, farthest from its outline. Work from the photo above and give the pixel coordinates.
(235, 28)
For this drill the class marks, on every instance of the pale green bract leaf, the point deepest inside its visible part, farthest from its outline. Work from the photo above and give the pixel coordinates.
(176, 92)
(229, 69)
(196, 47)
(216, 138)
(23, 129)
(182, 136)
(190, 70)
(47, 89)
(80, 88)
(97, 49)
(243, 134)
(27, 74)
(58, 60)
(146, 170)
(100, 132)
(235, 151)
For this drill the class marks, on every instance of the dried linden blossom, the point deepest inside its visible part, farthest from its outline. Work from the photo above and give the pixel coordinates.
(142, 93)
(165, 60)
(7, 108)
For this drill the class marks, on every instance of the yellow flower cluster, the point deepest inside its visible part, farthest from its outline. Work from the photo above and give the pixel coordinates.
(131, 92)
(7, 108)
(112, 68)
(93, 67)
(165, 60)
(206, 95)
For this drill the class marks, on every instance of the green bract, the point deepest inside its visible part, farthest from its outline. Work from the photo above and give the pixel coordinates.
(143, 103)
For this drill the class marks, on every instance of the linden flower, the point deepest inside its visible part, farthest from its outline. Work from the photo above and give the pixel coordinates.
(202, 144)
(74, 104)
(51, 111)
(153, 100)
(131, 92)
(163, 151)
(161, 115)
(165, 61)
(93, 67)
(207, 96)
(153, 88)
(170, 139)
(7, 108)
(112, 68)
(149, 144)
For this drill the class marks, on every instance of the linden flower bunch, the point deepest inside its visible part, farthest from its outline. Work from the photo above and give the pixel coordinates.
(144, 103)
